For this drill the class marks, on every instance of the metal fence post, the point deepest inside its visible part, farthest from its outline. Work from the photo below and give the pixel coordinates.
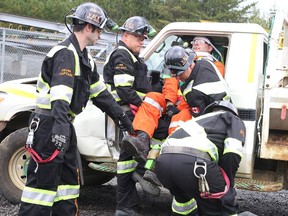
(2, 55)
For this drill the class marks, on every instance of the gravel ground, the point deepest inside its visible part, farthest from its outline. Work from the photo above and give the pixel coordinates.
(100, 201)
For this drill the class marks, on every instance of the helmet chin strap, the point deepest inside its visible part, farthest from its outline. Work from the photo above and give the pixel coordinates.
(65, 20)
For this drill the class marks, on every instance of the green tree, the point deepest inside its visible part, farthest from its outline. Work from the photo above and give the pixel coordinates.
(157, 12)
(256, 17)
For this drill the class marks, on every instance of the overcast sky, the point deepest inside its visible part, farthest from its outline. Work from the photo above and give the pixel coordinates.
(266, 5)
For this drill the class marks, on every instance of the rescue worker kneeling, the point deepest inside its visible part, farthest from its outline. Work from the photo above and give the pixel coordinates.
(200, 159)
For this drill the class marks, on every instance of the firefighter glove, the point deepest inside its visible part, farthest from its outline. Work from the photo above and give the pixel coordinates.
(172, 110)
(124, 123)
(60, 141)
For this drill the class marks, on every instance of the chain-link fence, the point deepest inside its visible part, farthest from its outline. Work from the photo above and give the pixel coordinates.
(22, 52)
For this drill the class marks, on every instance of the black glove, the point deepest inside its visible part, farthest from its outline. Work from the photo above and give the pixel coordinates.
(172, 110)
(155, 77)
(125, 123)
(60, 141)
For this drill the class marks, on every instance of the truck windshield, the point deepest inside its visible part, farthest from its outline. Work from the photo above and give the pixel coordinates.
(155, 62)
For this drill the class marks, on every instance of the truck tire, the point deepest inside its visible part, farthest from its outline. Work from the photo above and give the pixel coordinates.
(14, 161)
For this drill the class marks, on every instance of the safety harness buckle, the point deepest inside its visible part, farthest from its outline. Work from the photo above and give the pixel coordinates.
(203, 184)
(32, 128)
(200, 163)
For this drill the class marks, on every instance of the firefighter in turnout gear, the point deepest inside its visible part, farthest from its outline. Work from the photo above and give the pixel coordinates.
(67, 81)
(200, 159)
(125, 74)
(203, 84)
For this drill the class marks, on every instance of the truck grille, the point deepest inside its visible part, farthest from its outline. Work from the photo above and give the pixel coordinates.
(247, 114)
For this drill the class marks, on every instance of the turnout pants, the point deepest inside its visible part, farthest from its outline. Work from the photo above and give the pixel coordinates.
(176, 173)
(52, 188)
(127, 195)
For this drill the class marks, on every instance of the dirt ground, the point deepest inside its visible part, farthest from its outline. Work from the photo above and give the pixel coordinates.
(100, 201)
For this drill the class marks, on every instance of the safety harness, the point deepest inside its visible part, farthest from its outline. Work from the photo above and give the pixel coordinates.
(29, 144)
(203, 184)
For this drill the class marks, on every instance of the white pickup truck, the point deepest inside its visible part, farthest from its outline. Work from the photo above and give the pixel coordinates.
(256, 65)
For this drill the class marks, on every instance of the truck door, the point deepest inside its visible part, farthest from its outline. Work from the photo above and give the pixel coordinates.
(274, 143)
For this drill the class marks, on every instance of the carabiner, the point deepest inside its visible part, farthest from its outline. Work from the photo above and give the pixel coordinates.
(35, 121)
(200, 163)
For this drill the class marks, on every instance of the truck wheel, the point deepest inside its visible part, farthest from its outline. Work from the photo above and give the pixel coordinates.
(14, 160)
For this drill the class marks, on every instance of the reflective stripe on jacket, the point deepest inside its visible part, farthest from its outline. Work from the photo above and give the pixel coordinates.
(61, 80)
(203, 87)
(126, 76)
(68, 79)
(216, 133)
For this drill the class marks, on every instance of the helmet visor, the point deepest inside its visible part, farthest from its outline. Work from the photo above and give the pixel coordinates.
(177, 68)
(142, 31)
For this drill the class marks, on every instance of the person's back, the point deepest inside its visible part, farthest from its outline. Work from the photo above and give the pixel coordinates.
(201, 86)
(200, 160)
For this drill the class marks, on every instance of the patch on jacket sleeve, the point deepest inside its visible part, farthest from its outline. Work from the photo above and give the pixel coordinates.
(195, 109)
(242, 133)
(66, 72)
(120, 67)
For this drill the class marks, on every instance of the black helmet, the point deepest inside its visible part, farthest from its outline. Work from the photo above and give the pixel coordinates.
(138, 25)
(89, 13)
(178, 60)
(225, 105)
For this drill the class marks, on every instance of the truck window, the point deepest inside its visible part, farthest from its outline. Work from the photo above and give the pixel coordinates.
(155, 61)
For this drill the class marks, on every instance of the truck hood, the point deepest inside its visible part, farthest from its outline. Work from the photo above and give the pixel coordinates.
(17, 96)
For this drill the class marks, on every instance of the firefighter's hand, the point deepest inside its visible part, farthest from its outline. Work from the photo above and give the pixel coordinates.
(125, 123)
(60, 141)
(172, 110)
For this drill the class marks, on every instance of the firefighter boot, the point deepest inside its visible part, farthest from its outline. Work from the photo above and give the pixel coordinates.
(137, 146)
(150, 176)
(126, 212)
(146, 185)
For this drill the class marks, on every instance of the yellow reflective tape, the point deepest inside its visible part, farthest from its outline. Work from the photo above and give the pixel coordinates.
(68, 197)
(18, 92)
(252, 58)
(37, 202)
(126, 171)
(41, 191)
(62, 187)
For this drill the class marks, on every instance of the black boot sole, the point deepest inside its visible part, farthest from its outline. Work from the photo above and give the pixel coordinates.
(151, 177)
(133, 151)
